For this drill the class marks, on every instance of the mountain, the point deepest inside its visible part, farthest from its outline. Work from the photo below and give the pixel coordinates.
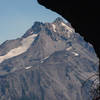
(49, 62)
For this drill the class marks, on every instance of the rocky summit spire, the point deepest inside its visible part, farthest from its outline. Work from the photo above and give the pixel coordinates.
(58, 20)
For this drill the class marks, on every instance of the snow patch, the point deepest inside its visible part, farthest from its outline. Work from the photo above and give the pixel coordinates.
(69, 48)
(28, 67)
(54, 27)
(76, 54)
(67, 27)
(70, 30)
(25, 44)
(41, 61)
(44, 59)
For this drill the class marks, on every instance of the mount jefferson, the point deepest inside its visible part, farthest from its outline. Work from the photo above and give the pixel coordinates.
(49, 62)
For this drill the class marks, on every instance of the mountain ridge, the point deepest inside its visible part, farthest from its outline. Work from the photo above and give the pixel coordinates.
(49, 62)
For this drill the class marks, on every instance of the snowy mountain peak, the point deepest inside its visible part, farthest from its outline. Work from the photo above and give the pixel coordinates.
(49, 62)
(57, 26)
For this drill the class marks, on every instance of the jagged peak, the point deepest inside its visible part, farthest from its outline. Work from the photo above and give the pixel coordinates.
(58, 20)
(55, 26)
(38, 23)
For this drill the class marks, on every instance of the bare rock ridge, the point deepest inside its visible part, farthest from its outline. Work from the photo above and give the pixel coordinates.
(49, 62)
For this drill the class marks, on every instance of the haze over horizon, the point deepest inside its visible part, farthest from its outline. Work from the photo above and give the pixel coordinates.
(17, 16)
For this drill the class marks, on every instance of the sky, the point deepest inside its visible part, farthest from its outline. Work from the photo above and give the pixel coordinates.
(17, 16)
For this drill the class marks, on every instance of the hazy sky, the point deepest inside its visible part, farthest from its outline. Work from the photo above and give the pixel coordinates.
(16, 16)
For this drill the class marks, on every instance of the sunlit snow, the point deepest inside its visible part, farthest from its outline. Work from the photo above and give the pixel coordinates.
(70, 30)
(25, 44)
(54, 27)
(28, 67)
(69, 48)
(67, 27)
(75, 54)
(44, 59)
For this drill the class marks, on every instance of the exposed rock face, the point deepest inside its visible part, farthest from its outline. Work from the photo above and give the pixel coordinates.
(49, 62)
